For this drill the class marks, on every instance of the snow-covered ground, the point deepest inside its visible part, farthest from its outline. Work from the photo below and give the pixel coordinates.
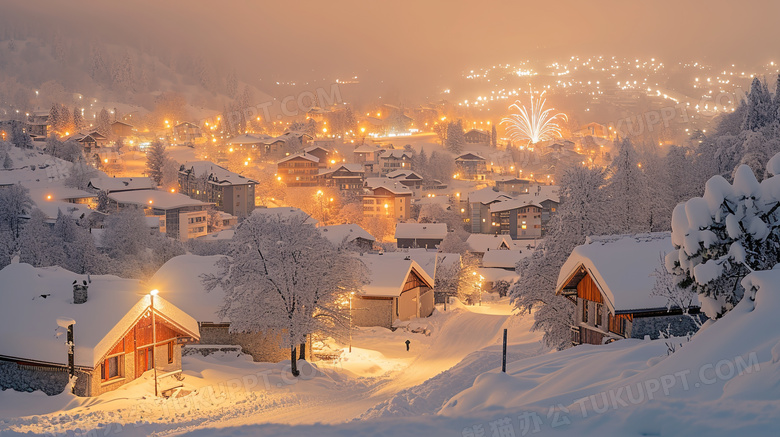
(378, 378)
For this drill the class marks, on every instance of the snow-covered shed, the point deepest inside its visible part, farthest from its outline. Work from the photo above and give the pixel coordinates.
(112, 319)
(611, 279)
(399, 289)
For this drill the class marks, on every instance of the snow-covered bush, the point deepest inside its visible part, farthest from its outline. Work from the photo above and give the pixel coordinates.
(730, 231)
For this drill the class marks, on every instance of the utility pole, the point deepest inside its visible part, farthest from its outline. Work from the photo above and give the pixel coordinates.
(503, 357)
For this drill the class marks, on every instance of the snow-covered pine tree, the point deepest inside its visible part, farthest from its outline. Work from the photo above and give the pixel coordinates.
(54, 116)
(103, 126)
(15, 202)
(8, 163)
(80, 253)
(78, 120)
(284, 276)
(456, 140)
(627, 191)
(730, 231)
(156, 158)
(759, 106)
(494, 137)
(19, 137)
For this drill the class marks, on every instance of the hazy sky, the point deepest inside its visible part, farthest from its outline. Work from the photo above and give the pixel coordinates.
(413, 42)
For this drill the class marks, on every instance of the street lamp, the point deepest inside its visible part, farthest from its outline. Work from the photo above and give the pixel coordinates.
(351, 295)
(152, 294)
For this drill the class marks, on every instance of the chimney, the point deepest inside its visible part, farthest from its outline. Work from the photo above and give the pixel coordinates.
(79, 292)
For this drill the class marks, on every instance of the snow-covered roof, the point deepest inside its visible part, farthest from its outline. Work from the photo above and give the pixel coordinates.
(155, 199)
(52, 207)
(387, 275)
(216, 174)
(470, 156)
(121, 184)
(487, 195)
(421, 230)
(540, 193)
(621, 266)
(338, 234)
(366, 148)
(55, 191)
(285, 212)
(32, 165)
(390, 185)
(395, 153)
(35, 298)
(503, 259)
(406, 174)
(223, 235)
(354, 168)
(506, 205)
(252, 139)
(485, 242)
(303, 155)
(430, 261)
(179, 280)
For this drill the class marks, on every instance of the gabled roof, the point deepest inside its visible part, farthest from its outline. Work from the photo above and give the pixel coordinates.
(479, 131)
(37, 300)
(404, 174)
(388, 275)
(395, 153)
(621, 266)
(485, 242)
(303, 155)
(421, 230)
(216, 174)
(392, 186)
(352, 168)
(339, 234)
(469, 156)
(121, 122)
(487, 196)
(367, 148)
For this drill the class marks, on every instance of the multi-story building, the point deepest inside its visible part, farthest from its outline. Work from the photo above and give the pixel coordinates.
(516, 219)
(229, 192)
(298, 170)
(478, 212)
(390, 199)
(181, 217)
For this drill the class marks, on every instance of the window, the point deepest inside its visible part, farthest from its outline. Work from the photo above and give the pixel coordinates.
(170, 352)
(598, 314)
(111, 368)
(584, 311)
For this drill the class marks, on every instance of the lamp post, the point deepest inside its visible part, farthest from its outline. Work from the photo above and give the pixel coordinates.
(351, 295)
(152, 294)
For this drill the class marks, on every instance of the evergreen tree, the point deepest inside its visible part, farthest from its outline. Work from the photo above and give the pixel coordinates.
(627, 191)
(104, 123)
(54, 116)
(80, 253)
(456, 140)
(494, 137)
(37, 245)
(156, 158)
(78, 120)
(19, 137)
(759, 106)
(8, 163)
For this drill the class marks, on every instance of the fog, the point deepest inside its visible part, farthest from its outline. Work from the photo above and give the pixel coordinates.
(410, 46)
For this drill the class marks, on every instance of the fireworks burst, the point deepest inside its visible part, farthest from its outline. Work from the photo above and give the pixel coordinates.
(533, 124)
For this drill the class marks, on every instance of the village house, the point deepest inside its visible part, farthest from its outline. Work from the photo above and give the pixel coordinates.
(479, 244)
(407, 177)
(389, 199)
(176, 281)
(298, 170)
(611, 281)
(187, 133)
(349, 236)
(121, 130)
(118, 328)
(513, 186)
(394, 159)
(180, 217)
(228, 191)
(323, 155)
(471, 166)
(38, 125)
(399, 290)
(420, 235)
(477, 136)
(344, 177)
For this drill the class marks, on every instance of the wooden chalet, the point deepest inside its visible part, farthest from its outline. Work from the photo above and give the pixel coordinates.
(610, 279)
